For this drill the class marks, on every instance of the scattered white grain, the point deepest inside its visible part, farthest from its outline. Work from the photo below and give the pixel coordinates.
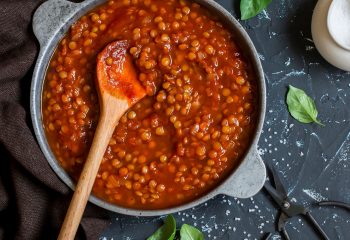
(314, 195)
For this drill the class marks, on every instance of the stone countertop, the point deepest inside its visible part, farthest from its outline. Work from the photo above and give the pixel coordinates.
(312, 160)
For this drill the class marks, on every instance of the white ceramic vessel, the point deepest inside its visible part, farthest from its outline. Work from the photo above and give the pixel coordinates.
(338, 22)
(324, 42)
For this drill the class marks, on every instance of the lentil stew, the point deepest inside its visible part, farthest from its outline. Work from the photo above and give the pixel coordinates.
(192, 129)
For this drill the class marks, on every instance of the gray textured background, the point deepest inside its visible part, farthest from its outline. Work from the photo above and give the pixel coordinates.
(313, 160)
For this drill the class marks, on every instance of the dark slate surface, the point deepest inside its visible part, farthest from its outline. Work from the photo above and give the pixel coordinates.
(312, 160)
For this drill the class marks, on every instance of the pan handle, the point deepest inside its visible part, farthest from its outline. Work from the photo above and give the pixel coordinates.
(50, 17)
(248, 179)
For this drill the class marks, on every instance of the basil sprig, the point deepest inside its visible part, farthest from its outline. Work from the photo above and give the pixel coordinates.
(188, 232)
(250, 8)
(168, 231)
(301, 106)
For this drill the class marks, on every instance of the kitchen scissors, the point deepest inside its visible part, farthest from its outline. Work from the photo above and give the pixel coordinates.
(291, 209)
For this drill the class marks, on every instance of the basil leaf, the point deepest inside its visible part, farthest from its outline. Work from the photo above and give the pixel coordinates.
(188, 232)
(301, 106)
(165, 232)
(250, 8)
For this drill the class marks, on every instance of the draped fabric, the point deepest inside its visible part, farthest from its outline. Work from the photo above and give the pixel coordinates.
(33, 200)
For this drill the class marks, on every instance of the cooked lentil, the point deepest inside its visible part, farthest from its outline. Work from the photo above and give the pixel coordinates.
(191, 130)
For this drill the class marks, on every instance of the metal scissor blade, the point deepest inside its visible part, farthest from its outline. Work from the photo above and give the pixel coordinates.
(277, 181)
(279, 199)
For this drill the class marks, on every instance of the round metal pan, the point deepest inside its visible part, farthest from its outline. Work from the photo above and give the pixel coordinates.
(50, 23)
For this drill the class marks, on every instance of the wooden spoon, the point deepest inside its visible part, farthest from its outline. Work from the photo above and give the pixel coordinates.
(118, 90)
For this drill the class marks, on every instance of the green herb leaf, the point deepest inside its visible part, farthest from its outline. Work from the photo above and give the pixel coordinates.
(250, 8)
(165, 232)
(188, 232)
(301, 106)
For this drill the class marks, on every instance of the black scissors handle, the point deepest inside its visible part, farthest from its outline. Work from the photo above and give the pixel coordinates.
(283, 231)
(268, 236)
(335, 204)
(316, 225)
(285, 234)
(284, 217)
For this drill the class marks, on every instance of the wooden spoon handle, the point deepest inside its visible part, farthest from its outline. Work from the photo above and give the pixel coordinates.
(105, 128)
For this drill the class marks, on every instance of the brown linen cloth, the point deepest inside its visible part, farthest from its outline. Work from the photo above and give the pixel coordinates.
(33, 200)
